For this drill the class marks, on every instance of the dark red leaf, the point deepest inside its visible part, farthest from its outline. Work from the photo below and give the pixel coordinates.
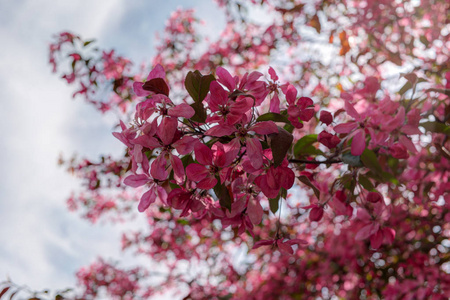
(157, 86)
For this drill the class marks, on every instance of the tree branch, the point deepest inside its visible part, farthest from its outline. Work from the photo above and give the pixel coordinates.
(315, 162)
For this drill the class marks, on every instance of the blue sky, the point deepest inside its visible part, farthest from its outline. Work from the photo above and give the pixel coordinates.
(42, 244)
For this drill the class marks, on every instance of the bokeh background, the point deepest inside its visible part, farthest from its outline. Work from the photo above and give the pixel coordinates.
(42, 244)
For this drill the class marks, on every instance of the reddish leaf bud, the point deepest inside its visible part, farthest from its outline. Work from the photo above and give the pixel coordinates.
(326, 117)
(374, 197)
(316, 214)
(328, 139)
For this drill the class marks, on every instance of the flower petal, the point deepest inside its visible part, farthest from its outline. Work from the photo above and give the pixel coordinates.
(147, 198)
(265, 127)
(255, 211)
(136, 180)
(181, 110)
(254, 152)
(196, 172)
(225, 78)
(220, 131)
(203, 154)
(358, 143)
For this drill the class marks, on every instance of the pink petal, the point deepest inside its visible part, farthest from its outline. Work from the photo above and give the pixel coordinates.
(275, 104)
(139, 91)
(366, 231)
(304, 102)
(196, 172)
(410, 129)
(203, 154)
(407, 143)
(273, 74)
(272, 179)
(162, 194)
(351, 111)
(284, 248)
(220, 130)
(181, 110)
(261, 182)
(218, 96)
(147, 198)
(157, 72)
(121, 137)
(326, 117)
(254, 152)
(291, 94)
(147, 141)
(316, 214)
(255, 211)
(226, 154)
(238, 109)
(265, 127)
(296, 241)
(250, 80)
(389, 235)
(178, 169)
(374, 197)
(207, 183)
(178, 198)
(346, 127)
(185, 145)
(166, 130)
(225, 78)
(376, 240)
(262, 243)
(136, 180)
(137, 153)
(286, 177)
(306, 114)
(363, 215)
(158, 169)
(358, 143)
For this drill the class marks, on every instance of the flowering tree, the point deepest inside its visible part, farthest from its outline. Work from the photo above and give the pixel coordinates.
(317, 143)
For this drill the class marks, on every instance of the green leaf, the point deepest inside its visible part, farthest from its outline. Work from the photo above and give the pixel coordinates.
(274, 204)
(424, 40)
(351, 160)
(273, 117)
(224, 194)
(187, 160)
(306, 181)
(407, 86)
(311, 150)
(369, 159)
(197, 85)
(183, 221)
(388, 177)
(88, 42)
(366, 183)
(288, 127)
(200, 112)
(436, 127)
(280, 143)
(303, 145)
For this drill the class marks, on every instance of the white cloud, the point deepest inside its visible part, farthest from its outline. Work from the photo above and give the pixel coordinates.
(42, 244)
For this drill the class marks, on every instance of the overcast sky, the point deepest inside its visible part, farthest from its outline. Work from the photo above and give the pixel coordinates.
(42, 244)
